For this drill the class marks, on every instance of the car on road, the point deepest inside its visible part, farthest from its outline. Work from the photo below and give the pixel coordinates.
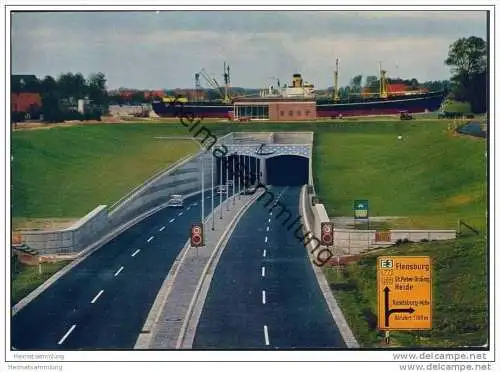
(221, 189)
(176, 201)
(250, 190)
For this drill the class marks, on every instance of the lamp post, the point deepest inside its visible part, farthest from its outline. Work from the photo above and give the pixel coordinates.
(220, 190)
(213, 214)
(256, 170)
(202, 188)
(234, 184)
(227, 184)
(239, 178)
(244, 172)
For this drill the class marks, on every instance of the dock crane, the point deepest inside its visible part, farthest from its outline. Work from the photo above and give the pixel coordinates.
(224, 93)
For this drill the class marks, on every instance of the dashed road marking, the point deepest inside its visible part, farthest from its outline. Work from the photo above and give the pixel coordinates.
(264, 253)
(162, 228)
(263, 271)
(265, 240)
(137, 251)
(188, 208)
(63, 338)
(150, 238)
(266, 335)
(172, 220)
(180, 213)
(264, 297)
(269, 220)
(267, 228)
(118, 271)
(96, 297)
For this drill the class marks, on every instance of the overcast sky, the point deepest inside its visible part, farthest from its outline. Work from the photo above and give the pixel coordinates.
(149, 50)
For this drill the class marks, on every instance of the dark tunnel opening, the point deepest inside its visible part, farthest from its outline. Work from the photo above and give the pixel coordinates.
(287, 170)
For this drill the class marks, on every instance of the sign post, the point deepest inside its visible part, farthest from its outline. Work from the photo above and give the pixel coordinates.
(404, 293)
(197, 236)
(360, 208)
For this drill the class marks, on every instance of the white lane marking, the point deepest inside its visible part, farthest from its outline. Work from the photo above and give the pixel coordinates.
(270, 213)
(97, 296)
(172, 220)
(208, 197)
(188, 208)
(263, 271)
(118, 271)
(266, 335)
(66, 334)
(264, 253)
(269, 220)
(267, 229)
(137, 251)
(150, 238)
(195, 204)
(265, 240)
(264, 297)
(162, 228)
(180, 213)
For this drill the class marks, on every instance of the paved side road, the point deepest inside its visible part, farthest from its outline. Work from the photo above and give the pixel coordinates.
(102, 303)
(171, 325)
(264, 293)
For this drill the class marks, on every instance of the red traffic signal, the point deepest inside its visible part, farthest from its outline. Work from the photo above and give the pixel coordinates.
(327, 233)
(197, 235)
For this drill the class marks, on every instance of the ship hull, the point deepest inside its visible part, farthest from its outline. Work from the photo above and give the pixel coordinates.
(415, 104)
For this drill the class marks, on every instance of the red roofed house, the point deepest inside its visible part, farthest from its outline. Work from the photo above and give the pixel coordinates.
(28, 104)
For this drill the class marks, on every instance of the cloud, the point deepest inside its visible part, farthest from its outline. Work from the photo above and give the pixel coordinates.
(149, 50)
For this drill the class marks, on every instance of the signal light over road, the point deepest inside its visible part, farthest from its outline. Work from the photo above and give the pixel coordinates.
(197, 235)
(327, 233)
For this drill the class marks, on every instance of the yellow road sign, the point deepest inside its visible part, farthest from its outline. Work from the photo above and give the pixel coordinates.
(404, 292)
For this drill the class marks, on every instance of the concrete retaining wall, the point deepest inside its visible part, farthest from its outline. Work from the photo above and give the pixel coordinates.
(351, 241)
(182, 177)
(70, 240)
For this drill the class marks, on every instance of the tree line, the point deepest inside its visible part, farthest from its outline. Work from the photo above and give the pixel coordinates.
(467, 59)
(60, 96)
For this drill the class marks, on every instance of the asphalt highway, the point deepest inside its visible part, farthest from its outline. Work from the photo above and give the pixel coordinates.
(264, 293)
(103, 302)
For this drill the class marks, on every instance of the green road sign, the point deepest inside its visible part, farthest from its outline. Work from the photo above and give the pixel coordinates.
(360, 208)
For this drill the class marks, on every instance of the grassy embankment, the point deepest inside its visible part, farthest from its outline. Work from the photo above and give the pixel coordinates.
(431, 179)
(64, 173)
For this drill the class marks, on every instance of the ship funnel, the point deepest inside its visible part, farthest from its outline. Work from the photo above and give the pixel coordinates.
(297, 81)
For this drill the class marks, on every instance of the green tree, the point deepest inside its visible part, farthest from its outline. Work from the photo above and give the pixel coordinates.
(356, 83)
(97, 92)
(467, 58)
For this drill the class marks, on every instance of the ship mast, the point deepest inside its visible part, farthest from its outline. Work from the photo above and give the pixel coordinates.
(227, 80)
(336, 81)
(383, 83)
(197, 87)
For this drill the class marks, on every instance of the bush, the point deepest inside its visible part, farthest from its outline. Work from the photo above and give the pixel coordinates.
(457, 107)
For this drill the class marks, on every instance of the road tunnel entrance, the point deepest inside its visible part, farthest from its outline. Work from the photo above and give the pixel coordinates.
(287, 170)
(241, 169)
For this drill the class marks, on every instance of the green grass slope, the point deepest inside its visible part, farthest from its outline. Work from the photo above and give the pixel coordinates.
(429, 177)
(459, 288)
(66, 172)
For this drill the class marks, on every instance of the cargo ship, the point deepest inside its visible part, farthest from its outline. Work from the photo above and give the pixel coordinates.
(386, 102)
